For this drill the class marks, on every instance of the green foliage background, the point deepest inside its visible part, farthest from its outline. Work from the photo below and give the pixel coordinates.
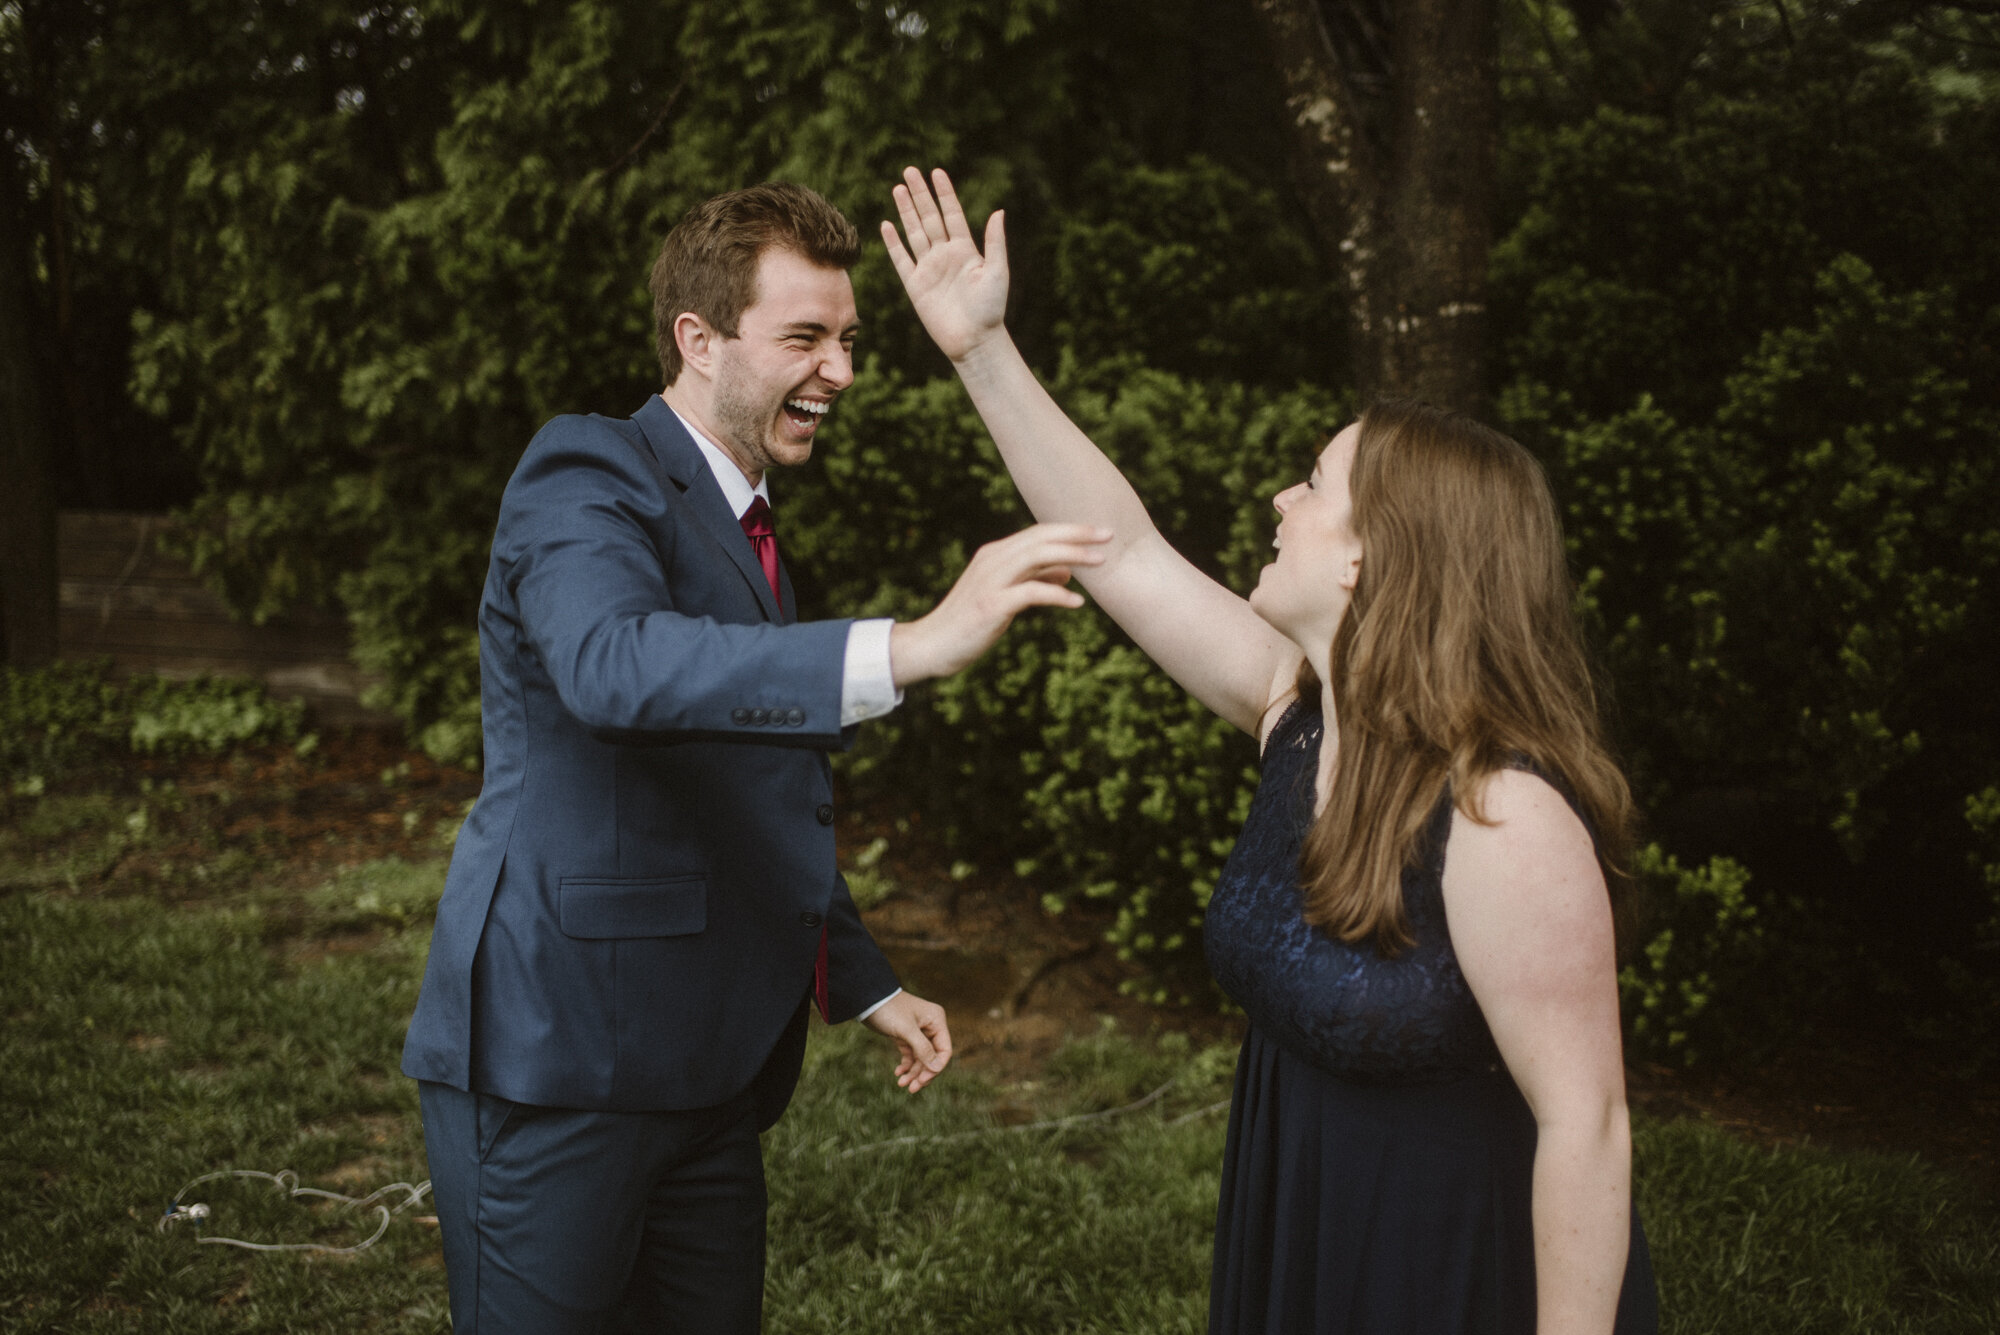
(1746, 297)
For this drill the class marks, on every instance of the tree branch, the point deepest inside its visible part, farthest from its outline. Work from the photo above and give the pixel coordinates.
(673, 96)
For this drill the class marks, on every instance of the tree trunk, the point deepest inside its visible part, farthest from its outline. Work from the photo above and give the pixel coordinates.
(28, 606)
(1394, 120)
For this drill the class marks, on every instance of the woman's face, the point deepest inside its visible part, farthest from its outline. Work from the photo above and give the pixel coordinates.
(1306, 588)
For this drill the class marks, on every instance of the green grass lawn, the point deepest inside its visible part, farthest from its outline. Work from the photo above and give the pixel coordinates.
(149, 1042)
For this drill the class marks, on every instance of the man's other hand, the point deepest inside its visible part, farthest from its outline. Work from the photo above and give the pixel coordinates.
(1002, 580)
(919, 1030)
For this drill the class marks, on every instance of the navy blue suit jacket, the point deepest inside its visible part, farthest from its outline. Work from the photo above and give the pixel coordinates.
(635, 902)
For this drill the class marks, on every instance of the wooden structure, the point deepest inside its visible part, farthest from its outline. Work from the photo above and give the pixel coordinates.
(124, 598)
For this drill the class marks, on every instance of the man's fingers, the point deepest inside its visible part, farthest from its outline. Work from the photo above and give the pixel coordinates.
(1041, 593)
(916, 1068)
(1032, 567)
(1030, 563)
(937, 1042)
(1018, 598)
(1071, 554)
(1054, 538)
(941, 1041)
(1028, 558)
(918, 1044)
(1092, 533)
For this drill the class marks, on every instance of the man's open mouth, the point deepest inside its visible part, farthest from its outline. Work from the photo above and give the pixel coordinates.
(805, 413)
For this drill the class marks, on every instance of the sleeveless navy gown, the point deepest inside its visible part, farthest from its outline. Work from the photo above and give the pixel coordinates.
(1378, 1168)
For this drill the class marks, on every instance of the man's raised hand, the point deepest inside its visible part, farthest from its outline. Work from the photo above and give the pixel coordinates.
(959, 294)
(1003, 579)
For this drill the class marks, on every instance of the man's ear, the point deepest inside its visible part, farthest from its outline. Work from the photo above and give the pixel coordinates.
(696, 341)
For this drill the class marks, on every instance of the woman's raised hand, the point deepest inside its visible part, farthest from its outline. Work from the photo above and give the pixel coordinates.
(960, 294)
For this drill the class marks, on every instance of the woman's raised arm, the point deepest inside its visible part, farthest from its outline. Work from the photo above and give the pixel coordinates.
(1205, 637)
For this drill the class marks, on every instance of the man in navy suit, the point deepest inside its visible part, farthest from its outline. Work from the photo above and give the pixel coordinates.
(644, 901)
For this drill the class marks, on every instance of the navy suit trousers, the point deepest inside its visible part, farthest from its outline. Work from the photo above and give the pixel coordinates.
(558, 1221)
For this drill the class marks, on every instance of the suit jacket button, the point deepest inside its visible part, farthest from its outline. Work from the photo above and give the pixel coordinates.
(760, 716)
(795, 717)
(825, 813)
(739, 716)
(809, 919)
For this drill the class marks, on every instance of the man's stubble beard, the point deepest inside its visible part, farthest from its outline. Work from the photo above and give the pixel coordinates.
(745, 433)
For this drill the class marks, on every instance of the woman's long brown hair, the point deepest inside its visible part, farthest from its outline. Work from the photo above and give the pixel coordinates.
(1459, 649)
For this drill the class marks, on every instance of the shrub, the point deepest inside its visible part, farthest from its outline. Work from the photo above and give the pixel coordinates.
(51, 718)
(57, 719)
(208, 715)
(1982, 813)
(1685, 990)
(1972, 1024)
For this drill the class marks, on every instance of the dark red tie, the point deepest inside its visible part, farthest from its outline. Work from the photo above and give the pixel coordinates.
(763, 537)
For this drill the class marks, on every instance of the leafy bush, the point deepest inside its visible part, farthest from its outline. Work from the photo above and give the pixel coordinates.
(1687, 988)
(208, 715)
(1796, 599)
(1799, 588)
(1972, 1024)
(57, 719)
(53, 717)
(1982, 813)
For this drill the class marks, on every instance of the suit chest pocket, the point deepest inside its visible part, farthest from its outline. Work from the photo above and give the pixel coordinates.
(596, 908)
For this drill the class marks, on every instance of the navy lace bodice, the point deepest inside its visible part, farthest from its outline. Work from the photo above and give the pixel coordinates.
(1344, 1008)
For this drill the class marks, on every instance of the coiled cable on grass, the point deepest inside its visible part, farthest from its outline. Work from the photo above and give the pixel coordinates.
(287, 1182)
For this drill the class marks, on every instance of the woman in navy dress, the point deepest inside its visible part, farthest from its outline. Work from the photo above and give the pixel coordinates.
(1429, 1132)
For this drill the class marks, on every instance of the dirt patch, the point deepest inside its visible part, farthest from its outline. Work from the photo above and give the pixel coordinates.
(182, 827)
(302, 952)
(1016, 982)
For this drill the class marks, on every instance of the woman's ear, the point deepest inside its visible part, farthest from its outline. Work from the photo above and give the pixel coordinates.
(1350, 572)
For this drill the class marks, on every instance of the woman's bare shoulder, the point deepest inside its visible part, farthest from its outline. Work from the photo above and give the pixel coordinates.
(1524, 826)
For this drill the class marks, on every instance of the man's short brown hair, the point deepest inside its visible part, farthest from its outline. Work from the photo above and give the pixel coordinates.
(708, 263)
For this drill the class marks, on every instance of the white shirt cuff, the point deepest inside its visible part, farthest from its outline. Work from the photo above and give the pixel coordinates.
(867, 684)
(880, 1004)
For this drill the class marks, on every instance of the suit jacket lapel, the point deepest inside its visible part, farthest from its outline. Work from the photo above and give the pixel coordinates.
(684, 462)
(791, 599)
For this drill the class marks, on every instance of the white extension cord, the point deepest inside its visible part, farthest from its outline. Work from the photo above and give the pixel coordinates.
(287, 1182)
